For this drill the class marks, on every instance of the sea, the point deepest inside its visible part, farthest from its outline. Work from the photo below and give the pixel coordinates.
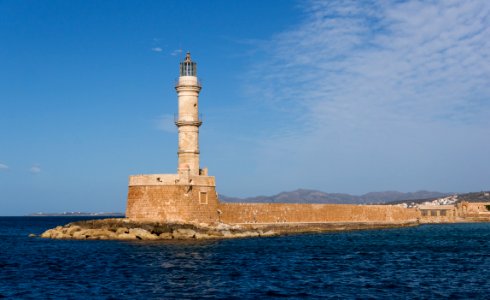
(425, 262)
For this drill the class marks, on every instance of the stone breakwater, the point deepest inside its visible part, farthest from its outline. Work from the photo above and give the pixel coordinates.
(125, 229)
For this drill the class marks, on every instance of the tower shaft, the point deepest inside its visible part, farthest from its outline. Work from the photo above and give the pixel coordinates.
(188, 120)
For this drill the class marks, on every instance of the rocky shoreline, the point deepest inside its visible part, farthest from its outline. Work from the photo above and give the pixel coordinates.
(125, 229)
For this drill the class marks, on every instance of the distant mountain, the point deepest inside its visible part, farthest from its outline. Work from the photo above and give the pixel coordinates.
(313, 196)
(390, 196)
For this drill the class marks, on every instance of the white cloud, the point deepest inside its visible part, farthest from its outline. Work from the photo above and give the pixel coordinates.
(165, 123)
(357, 61)
(156, 49)
(4, 167)
(364, 80)
(35, 169)
(176, 52)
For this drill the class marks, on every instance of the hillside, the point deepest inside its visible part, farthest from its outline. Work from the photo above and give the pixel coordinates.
(469, 197)
(313, 196)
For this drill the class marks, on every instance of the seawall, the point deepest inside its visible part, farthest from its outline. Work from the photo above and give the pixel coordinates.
(242, 213)
(173, 198)
(180, 198)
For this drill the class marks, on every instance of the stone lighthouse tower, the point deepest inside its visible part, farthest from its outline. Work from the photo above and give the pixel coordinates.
(188, 119)
(190, 195)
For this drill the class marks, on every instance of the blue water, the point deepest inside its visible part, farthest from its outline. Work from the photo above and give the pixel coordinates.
(432, 261)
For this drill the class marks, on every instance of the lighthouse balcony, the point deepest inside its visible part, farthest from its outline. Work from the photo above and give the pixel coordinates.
(193, 120)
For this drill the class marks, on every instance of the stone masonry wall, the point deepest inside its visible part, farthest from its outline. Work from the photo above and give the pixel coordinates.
(172, 203)
(175, 203)
(193, 199)
(477, 207)
(474, 211)
(315, 213)
(437, 213)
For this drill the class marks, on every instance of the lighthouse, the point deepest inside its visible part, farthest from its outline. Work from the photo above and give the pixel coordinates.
(190, 194)
(188, 118)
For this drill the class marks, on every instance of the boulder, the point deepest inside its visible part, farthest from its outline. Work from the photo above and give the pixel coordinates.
(182, 233)
(48, 233)
(73, 229)
(223, 226)
(165, 236)
(122, 230)
(59, 235)
(99, 234)
(143, 234)
(79, 235)
(126, 236)
(226, 233)
(201, 236)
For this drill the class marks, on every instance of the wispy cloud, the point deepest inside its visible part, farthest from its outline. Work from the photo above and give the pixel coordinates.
(416, 60)
(165, 123)
(176, 52)
(357, 74)
(3, 167)
(157, 49)
(35, 169)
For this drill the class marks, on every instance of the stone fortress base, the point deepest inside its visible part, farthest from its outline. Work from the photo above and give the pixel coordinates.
(174, 198)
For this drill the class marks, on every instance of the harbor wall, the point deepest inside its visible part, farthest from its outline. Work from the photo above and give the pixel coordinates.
(313, 213)
(193, 199)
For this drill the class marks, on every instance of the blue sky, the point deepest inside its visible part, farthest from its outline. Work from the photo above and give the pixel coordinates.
(339, 96)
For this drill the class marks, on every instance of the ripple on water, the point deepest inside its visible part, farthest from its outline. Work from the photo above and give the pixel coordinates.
(432, 261)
